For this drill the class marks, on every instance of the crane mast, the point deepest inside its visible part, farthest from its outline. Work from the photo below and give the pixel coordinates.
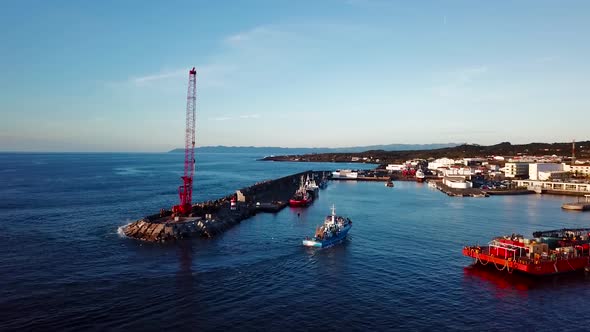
(185, 191)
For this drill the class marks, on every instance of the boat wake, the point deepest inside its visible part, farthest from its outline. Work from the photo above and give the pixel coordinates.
(120, 231)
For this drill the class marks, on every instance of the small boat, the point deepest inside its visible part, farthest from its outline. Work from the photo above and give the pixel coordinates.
(548, 253)
(333, 231)
(389, 183)
(420, 175)
(302, 196)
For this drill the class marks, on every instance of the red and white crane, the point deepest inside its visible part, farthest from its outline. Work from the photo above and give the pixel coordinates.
(185, 192)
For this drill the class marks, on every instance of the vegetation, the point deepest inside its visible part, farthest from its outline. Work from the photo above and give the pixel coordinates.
(461, 151)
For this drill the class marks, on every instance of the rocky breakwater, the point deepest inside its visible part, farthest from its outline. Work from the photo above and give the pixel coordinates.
(210, 218)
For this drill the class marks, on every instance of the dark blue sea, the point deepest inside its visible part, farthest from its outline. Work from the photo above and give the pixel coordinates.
(64, 265)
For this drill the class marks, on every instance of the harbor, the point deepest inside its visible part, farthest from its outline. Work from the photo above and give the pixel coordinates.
(260, 261)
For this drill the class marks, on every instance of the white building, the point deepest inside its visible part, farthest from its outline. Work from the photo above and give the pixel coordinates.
(513, 170)
(441, 162)
(457, 182)
(544, 168)
(578, 169)
(552, 175)
(459, 171)
(552, 185)
(395, 167)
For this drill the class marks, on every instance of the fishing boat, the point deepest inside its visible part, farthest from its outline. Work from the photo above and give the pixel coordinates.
(311, 187)
(389, 183)
(547, 253)
(420, 175)
(302, 196)
(333, 231)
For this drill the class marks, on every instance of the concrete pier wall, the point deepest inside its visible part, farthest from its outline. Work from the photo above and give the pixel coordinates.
(214, 217)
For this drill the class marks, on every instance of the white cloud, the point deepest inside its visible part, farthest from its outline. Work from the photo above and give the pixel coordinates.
(238, 117)
(249, 35)
(142, 80)
(207, 75)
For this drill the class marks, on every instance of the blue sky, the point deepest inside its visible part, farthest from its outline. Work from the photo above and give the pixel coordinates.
(112, 75)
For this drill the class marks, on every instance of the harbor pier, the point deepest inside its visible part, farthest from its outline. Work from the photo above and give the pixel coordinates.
(210, 218)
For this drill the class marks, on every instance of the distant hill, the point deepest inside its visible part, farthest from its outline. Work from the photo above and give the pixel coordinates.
(279, 150)
(459, 151)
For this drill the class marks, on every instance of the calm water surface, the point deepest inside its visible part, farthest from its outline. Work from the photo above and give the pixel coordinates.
(64, 266)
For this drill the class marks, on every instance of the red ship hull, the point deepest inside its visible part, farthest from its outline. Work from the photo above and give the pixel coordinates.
(299, 202)
(536, 267)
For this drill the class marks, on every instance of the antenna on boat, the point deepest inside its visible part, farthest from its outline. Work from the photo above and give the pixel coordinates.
(333, 213)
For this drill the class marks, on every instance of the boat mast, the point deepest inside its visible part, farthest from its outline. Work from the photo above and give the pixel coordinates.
(333, 214)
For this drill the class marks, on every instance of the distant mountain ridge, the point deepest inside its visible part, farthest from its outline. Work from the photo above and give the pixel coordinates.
(355, 149)
(455, 152)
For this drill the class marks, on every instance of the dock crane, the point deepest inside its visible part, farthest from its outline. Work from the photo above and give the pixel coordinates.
(185, 191)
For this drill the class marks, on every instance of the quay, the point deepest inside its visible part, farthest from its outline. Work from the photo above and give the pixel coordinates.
(210, 218)
(456, 192)
(556, 187)
(578, 206)
(362, 178)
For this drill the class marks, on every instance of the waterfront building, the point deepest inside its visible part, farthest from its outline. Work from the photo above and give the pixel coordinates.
(552, 175)
(554, 185)
(516, 170)
(542, 171)
(457, 182)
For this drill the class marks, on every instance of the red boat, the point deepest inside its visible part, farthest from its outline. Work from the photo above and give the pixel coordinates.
(300, 200)
(302, 196)
(550, 252)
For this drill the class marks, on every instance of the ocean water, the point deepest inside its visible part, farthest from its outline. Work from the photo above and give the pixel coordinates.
(64, 266)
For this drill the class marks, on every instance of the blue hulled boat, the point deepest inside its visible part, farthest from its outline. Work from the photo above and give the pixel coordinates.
(333, 231)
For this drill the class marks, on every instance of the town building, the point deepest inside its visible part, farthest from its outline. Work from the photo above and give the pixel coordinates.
(457, 182)
(554, 185)
(578, 169)
(395, 167)
(543, 171)
(442, 162)
(516, 170)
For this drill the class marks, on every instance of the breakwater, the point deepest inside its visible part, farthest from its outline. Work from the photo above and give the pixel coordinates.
(210, 218)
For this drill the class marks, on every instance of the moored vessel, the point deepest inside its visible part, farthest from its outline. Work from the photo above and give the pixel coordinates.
(549, 252)
(311, 187)
(420, 175)
(345, 174)
(302, 196)
(333, 231)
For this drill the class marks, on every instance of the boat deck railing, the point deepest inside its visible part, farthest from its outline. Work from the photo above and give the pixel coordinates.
(523, 257)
